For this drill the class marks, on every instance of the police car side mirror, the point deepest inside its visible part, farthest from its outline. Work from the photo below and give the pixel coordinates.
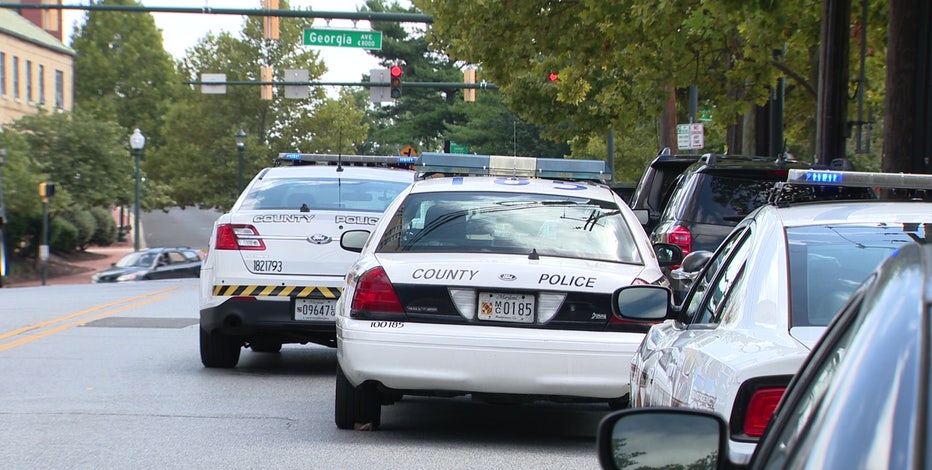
(354, 240)
(643, 302)
(643, 216)
(695, 261)
(627, 438)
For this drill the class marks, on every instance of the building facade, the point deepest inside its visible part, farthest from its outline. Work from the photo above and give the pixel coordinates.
(36, 68)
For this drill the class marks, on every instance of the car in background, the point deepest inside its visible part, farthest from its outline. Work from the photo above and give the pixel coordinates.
(710, 197)
(767, 294)
(493, 278)
(859, 400)
(275, 266)
(151, 264)
(656, 184)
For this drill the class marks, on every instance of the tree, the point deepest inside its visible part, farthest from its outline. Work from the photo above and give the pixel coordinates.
(122, 72)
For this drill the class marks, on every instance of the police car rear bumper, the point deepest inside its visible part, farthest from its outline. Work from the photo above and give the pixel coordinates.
(246, 317)
(411, 356)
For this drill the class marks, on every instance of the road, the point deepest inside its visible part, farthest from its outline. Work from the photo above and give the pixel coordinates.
(108, 376)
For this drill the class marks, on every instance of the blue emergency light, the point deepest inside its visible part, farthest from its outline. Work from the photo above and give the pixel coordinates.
(861, 179)
(368, 160)
(502, 165)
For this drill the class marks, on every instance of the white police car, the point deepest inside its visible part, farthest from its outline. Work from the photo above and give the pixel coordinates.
(765, 297)
(499, 287)
(274, 266)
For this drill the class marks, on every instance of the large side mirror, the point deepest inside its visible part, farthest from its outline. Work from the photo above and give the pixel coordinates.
(354, 240)
(658, 438)
(695, 261)
(642, 302)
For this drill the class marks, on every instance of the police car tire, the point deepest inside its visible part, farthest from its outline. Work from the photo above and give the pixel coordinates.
(219, 351)
(356, 407)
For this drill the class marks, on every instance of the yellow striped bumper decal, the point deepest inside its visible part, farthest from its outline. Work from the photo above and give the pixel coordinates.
(280, 291)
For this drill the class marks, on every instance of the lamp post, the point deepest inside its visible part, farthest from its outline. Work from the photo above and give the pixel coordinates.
(136, 141)
(241, 147)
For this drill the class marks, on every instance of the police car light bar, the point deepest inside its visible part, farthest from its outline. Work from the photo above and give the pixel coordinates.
(372, 160)
(500, 165)
(862, 179)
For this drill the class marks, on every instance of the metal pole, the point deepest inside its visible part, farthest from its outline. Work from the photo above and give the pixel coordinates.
(136, 205)
(239, 175)
(44, 248)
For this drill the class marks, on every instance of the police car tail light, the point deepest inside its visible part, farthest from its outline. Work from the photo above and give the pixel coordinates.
(375, 293)
(760, 408)
(465, 301)
(238, 237)
(548, 304)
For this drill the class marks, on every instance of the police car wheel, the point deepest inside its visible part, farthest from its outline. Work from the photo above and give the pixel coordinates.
(218, 350)
(356, 407)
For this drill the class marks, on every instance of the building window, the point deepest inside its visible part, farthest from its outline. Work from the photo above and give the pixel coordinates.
(59, 89)
(2, 73)
(15, 77)
(29, 81)
(41, 84)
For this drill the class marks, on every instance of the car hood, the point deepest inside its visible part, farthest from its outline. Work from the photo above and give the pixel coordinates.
(115, 272)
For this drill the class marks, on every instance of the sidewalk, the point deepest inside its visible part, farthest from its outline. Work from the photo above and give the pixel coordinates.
(83, 266)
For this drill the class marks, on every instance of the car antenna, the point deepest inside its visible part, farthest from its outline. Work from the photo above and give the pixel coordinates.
(533, 254)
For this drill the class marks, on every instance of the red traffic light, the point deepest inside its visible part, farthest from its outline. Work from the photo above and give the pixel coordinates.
(395, 71)
(395, 81)
(553, 76)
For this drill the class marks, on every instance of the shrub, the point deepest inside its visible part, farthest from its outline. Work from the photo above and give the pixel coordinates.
(63, 236)
(106, 232)
(86, 225)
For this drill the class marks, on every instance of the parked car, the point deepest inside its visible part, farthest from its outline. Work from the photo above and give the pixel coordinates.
(275, 267)
(656, 184)
(492, 278)
(765, 297)
(860, 399)
(151, 264)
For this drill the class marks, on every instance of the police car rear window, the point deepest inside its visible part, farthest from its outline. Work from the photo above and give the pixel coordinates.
(299, 194)
(490, 222)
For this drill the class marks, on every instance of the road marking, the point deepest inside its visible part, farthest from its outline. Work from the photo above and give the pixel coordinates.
(35, 331)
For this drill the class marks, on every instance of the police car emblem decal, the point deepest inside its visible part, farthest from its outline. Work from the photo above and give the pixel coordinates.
(319, 239)
(507, 277)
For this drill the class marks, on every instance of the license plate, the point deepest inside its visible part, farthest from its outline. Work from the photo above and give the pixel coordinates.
(498, 306)
(314, 309)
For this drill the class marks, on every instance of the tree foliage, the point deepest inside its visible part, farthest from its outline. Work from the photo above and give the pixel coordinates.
(123, 73)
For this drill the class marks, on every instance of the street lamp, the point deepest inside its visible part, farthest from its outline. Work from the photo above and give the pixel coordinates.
(241, 146)
(136, 141)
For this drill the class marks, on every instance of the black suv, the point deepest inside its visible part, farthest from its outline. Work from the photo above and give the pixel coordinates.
(656, 184)
(711, 196)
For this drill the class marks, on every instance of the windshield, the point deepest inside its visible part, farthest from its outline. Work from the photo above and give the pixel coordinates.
(492, 222)
(829, 262)
(322, 194)
(140, 259)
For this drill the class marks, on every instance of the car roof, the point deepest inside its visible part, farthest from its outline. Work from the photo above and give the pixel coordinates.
(851, 212)
(516, 185)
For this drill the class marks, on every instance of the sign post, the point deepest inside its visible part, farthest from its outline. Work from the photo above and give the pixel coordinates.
(343, 38)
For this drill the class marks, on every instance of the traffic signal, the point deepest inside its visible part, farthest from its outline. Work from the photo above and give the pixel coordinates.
(46, 189)
(395, 73)
(469, 77)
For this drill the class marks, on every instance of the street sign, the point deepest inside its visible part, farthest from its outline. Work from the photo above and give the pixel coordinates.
(458, 148)
(690, 136)
(343, 38)
(213, 89)
(297, 91)
(408, 151)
